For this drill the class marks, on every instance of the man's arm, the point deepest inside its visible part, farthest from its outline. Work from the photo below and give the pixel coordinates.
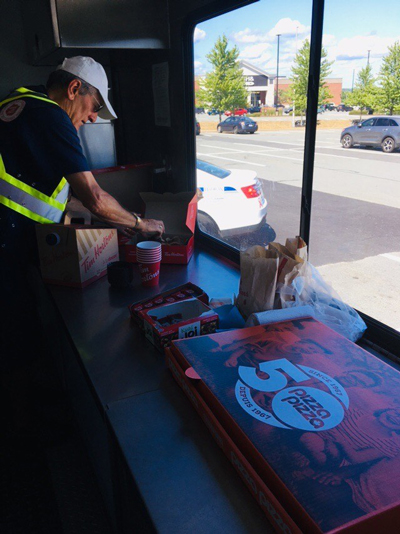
(106, 208)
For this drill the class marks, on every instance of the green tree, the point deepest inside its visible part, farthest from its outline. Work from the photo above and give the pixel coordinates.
(297, 92)
(365, 90)
(224, 87)
(388, 96)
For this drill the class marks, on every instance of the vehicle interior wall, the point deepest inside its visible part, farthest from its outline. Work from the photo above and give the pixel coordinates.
(15, 69)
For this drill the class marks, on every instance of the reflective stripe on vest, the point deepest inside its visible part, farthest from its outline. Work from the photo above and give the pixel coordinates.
(27, 200)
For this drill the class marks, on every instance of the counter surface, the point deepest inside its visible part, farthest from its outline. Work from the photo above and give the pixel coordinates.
(184, 479)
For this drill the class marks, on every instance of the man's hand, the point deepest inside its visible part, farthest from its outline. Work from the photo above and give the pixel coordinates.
(148, 228)
(107, 209)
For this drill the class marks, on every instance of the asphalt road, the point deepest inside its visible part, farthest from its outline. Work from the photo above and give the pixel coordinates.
(355, 227)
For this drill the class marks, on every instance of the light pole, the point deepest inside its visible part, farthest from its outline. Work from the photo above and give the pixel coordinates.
(368, 58)
(352, 83)
(277, 75)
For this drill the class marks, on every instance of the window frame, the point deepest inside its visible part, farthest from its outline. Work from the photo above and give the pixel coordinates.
(378, 334)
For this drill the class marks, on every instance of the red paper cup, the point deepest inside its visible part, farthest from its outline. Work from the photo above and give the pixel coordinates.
(148, 252)
(153, 259)
(150, 273)
(148, 246)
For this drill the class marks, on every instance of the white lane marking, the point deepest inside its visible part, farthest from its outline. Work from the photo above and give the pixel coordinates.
(261, 153)
(267, 155)
(391, 257)
(324, 154)
(230, 159)
(242, 151)
(262, 146)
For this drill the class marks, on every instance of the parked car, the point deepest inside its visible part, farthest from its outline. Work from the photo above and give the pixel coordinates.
(254, 109)
(231, 202)
(214, 112)
(240, 111)
(344, 107)
(197, 127)
(379, 131)
(330, 106)
(321, 109)
(238, 125)
(199, 110)
(286, 111)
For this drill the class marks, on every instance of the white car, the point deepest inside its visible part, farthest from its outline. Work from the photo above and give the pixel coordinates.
(231, 202)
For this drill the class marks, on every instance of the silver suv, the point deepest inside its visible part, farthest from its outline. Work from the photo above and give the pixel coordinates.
(379, 131)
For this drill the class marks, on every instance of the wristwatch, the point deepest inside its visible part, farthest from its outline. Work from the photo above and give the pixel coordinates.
(138, 220)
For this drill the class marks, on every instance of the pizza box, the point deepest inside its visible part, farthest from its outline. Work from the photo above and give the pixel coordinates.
(185, 319)
(310, 421)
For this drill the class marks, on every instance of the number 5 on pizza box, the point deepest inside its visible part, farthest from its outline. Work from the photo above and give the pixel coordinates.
(185, 319)
(310, 421)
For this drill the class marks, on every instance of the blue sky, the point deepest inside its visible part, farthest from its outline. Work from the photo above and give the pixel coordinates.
(350, 30)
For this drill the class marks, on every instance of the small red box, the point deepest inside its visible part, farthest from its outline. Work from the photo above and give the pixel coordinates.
(179, 320)
(176, 294)
(178, 212)
(310, 421)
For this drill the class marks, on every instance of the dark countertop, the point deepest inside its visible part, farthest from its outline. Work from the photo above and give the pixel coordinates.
(119, 361)
(185, 480)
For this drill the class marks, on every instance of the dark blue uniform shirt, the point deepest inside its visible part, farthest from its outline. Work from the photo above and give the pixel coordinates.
(39, 147)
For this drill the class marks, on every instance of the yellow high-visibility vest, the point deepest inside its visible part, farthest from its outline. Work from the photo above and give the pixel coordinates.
(25, 199)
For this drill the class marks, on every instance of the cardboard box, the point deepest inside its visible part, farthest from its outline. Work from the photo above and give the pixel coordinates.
(310, 421)
(179, 320)
(75, 255)
(178, 211)
(176, 294)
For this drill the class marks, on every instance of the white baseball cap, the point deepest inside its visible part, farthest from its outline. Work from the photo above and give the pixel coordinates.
(94, 74)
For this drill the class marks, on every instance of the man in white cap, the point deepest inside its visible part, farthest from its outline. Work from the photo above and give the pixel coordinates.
(40, 158)
(41, 155)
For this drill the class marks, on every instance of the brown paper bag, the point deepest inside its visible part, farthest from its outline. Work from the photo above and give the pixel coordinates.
(258, 275)
(297, 246)
(290, 265)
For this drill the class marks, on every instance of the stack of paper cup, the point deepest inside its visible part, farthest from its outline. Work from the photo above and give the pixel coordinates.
(148, 255)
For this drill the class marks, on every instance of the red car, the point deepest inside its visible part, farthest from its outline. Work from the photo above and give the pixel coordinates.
(239, 111)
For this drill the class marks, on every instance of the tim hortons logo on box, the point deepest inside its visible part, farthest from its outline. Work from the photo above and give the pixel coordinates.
(88, 248)
(300, 406)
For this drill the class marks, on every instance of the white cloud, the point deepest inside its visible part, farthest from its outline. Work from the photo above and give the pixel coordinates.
(198, 35)
(258, 54)
(199, 68)
(254, 51)
(288, 28)
(357, 47)
(328, 40)
(250, 36)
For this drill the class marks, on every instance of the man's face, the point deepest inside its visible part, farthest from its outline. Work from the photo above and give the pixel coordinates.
(83, 109)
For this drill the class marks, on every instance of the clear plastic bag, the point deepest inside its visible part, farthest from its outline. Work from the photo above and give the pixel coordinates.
(310, 289)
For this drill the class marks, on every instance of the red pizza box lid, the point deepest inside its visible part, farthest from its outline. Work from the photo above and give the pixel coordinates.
(314, 412)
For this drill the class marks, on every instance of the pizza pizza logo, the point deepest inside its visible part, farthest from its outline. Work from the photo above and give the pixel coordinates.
(12, 110)
(298, 406)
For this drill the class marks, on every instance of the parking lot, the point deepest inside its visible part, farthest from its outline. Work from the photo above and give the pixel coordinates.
(355, 232)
